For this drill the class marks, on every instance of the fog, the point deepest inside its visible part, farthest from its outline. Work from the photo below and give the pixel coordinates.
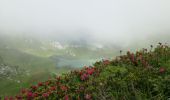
(44, 38)
(110, 21)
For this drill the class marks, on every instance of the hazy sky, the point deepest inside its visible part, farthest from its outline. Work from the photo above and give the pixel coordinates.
(104, 20)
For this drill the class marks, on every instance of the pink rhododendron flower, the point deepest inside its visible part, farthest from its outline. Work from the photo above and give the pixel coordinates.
(34, 87)
(161, 70)
(35, 95)
(40, 84)
(53, 88)
(66, 97)
(45, 95)
(90, 71)
(29, 94)
(84, 76)
(63, 88)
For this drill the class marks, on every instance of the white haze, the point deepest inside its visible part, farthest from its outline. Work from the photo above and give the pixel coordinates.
(111, 21)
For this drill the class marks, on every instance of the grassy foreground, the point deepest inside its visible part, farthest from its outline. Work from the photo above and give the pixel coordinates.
(144, 75)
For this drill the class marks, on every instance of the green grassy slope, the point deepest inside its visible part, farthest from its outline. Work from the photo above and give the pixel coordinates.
(144, 75)
(39, 69)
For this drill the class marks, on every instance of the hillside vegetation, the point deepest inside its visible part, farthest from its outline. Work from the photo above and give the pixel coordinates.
(37, 59)
(142, 75)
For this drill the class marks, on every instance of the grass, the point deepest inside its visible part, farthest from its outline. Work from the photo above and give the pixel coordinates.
(40, 53)
(40, 69)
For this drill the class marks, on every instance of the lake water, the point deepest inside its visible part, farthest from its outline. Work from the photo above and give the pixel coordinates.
(60, 62)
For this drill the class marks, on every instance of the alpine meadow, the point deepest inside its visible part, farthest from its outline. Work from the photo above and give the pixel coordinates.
(84, 50)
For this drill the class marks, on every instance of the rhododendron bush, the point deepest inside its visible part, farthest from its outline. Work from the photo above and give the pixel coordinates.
(141, 75)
